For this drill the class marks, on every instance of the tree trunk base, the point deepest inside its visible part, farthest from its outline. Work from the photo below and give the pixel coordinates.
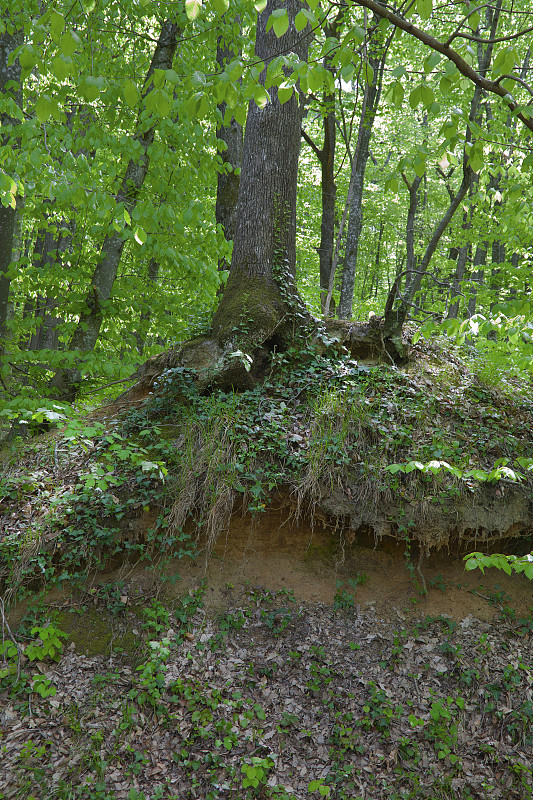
(237, 364)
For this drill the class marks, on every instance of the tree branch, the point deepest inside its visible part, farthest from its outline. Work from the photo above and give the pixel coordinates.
(444, 49)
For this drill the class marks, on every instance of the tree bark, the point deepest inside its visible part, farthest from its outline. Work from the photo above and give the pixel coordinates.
(264, 251)
(65, 383)
(230, 136)
(376, 60)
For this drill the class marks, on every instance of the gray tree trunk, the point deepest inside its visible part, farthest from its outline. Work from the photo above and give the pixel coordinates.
(376, 57)
(230, 133)
(264, 250)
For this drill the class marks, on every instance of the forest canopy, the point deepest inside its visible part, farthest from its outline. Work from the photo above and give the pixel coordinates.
(122, 127)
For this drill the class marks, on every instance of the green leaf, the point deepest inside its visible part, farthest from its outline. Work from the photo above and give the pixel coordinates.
(279, 20)
(60, 68)
(474, 20)
(398, 94)
(285, 93)
(193, 9)
(140, 235)
(131, 93)
(260, 5)
(221, 6)
(57, 26)
(424, 8)
(415, 98)
(43, 108)
(300, 21)
(368, 72)
(356, 33)
(69, 43)
(426, 93)
(261, 96)
(431, 62)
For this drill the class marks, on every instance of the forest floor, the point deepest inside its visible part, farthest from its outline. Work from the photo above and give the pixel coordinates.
(293, 660)
(305, 670)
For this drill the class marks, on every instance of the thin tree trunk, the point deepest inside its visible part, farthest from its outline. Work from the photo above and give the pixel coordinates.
(326, 157)
(146, 312)
(65, 383)
(376, 58)
(480, 259)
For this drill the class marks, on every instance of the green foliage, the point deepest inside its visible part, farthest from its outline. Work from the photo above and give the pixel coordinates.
(506, 563)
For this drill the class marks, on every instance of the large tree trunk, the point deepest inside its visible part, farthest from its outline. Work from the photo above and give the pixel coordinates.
(65, 383)
(260, 289)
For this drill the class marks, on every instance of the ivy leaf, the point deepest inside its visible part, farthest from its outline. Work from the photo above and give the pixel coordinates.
(193, 8)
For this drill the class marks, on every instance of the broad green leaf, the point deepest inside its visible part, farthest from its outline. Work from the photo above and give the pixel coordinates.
(426, 93)
(445, 84)
(279, 20)
(398, 72)
(260, 5)
(57, 25)
(92, 87)
(357, 34)
(431, 62)
(424, 8)
(28, 57)
(285, 93)
(140, 235)
(60, 68)
(193, 9)
(419, 166)
(163, 103)
(131, 93)
(368, 72)
(415, 98)
(398, 94)
(300, 21)
(261, 96)
(172, 76)
(239, 112)
(221, 6)
(69, 43)
(474, 20)
(315, 78)
(43, 108)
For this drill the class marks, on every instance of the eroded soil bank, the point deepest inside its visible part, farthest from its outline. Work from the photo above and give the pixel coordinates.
(304, 662)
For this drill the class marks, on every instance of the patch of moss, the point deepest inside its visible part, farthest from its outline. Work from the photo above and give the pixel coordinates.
(95, 632)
